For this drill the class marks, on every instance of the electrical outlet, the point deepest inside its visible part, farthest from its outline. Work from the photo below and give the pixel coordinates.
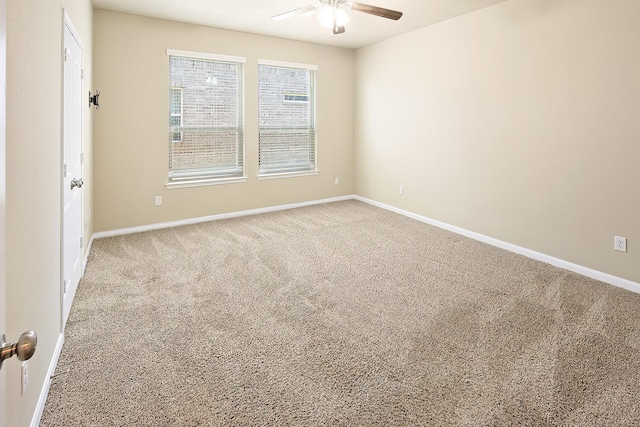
(24, 375)
(158, 200)
(620, 244)
(336, 182)
(401, 190)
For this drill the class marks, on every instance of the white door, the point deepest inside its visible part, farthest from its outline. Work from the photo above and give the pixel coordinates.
(71, 168)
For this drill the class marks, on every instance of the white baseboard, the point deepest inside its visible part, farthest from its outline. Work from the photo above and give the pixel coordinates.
(37, 415)
(585, 271)
(588, 272)
(131, 230)
(86, 255)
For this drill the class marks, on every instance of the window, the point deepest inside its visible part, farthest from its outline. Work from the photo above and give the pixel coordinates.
(206, 129)
(287, 118)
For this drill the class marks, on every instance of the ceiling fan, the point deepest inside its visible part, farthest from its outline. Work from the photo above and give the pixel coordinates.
(332, 16)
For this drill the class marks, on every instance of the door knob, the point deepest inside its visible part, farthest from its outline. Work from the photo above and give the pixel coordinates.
(76, 183)
(24, 348)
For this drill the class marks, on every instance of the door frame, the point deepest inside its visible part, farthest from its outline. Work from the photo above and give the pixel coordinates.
(68, 24)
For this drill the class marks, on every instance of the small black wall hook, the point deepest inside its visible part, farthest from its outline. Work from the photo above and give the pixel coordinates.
(94, 99)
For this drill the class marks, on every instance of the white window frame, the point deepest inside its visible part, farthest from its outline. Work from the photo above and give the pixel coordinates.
(203, 178)
(264, 175)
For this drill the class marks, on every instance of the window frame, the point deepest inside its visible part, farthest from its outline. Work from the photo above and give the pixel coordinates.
(204, 177)
(313, 126)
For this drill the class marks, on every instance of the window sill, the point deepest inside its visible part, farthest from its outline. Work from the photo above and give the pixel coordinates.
(204, 182)
(287, 175)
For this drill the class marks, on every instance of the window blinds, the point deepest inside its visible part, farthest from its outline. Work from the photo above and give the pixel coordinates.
(175, 121)
(287, 118)
(206, 117)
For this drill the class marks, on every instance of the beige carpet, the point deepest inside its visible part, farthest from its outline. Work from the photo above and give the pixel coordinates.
(342, 315)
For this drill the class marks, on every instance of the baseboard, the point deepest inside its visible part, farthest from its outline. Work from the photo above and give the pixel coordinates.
(585, 271)
(158, 226)
(86, 255)
(37, 415)
(576, 268)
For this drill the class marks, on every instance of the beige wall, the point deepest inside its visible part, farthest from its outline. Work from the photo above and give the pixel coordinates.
(519, 121)
(130, 139)
(33, 210)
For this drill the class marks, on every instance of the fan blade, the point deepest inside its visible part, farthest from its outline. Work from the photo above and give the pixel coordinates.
(301, 11)
(375, 10)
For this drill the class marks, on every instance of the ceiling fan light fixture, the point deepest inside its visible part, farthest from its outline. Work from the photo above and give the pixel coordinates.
(332, 16)
(326, 17)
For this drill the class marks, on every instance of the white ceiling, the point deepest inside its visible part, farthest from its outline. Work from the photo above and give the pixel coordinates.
(253, 16)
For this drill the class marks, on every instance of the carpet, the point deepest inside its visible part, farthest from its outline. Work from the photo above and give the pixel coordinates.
(339, 314)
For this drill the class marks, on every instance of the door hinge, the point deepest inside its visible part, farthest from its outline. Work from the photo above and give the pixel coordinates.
(81, 157)
(66, 54)
(81, 242)
(64, 170)
(82, 74)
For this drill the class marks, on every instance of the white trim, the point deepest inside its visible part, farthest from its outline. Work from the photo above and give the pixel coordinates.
(73, 31)
(86, 256)
(287, 175)
(287, 64)
(204, 55)
(594, 274)
(204, 182)
(143, 228)
(37, 414)
(585, 271)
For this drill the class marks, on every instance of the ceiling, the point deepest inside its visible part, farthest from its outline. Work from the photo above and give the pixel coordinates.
(253, 16)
